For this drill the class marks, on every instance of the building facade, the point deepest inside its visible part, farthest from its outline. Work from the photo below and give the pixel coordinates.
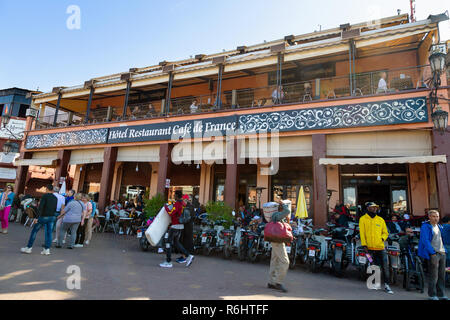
(342, 112)
(13, 102)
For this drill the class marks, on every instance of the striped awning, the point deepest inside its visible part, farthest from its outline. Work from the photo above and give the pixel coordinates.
(393, 160)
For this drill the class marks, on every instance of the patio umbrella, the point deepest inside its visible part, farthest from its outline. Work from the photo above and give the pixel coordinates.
(301, 211)
(63, 189)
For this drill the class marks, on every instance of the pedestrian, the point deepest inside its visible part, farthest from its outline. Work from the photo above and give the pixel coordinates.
(279, 260)
(15, 207)
(373, 233)
(45, 218)
(82, 228)
(431, 248)
(72, 217)
(20, 208)
(446, 237)
(175, 229)
(6, 200)
(188, 231)
(90, 204)
(70, 196)
(59, 207)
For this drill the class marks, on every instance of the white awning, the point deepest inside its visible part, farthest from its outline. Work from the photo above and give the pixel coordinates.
(401, 143)
(362, 161)
(86, 156)
(138, 154)
(46, 158)
(208, 151)
(300, 146)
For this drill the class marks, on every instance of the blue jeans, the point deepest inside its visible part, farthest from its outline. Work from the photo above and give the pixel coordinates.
(48, 223)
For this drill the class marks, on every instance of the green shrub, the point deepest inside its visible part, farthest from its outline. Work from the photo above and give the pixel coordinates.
(153, 205)
(218, 210)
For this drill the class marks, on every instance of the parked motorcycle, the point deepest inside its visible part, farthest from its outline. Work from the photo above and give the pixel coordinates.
(342, 248)
(256, 244)
(412, 268)
(317, 250)
(393, 252)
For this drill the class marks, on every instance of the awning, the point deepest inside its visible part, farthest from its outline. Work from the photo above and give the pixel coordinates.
(300, 146)
(138, 154)
(86, 156)
(208, 151)
(362, 161)
(46, 158)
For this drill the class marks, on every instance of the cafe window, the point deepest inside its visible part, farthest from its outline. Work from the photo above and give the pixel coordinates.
(350, 199)
(399, 200)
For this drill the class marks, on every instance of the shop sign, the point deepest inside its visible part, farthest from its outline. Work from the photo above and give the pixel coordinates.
(198, 128)
(17, 127)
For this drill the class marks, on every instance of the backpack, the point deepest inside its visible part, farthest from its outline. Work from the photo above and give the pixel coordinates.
(185, 216)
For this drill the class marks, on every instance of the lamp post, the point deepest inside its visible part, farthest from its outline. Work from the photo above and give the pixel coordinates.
(437, 64)
(259, 192)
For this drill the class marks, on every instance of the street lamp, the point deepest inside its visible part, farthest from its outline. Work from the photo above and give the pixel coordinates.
(437, 63)
(259, 192)
(7, 147)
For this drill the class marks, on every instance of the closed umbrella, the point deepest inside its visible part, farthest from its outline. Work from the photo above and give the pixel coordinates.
(302, 211)
(63, 189)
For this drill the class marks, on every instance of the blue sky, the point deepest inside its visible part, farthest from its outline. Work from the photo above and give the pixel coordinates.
(38, 50)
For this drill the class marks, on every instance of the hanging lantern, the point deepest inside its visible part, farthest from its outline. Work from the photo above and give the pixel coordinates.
(7, 146)
(440, 119)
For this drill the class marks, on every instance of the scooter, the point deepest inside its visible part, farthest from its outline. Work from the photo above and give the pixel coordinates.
(341, 248)
(317, 250)
(393, 252)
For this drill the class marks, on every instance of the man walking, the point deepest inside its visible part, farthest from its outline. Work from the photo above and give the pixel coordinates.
(279, 260)
(46, 218)
(175, 232)
(431, 248)
(373, 233)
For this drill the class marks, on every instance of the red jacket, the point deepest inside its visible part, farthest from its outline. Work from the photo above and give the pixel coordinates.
(176, 212)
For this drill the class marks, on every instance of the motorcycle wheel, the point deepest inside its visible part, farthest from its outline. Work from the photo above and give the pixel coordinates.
(206, 250)
(226, 251)
(337, 269)
(253, 254)
(293, 257)
(421, 277)
(144, 244)
(362, 273)
(394, 275)
(241, 251)
(312, 264)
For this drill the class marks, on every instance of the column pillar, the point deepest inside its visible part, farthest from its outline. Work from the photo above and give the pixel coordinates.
(319, 147)
(78, 179)
(263, 181)
(205, 183)
(21, 174)
(22, 171)
(154, 179)
(117, 181)
(231, 175)
(164, 158)
(63, 164)
(109, 162)
(441, 146)
(333, 184)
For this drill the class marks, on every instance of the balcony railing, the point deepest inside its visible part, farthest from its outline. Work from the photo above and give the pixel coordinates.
(362, 84)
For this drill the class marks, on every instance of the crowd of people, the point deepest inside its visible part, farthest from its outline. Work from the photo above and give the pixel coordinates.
(70, 215)
(73, 218)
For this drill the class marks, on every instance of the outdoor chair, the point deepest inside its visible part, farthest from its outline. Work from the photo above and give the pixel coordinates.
(307, 95)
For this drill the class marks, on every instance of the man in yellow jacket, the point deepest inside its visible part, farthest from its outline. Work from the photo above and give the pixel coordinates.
(373, 233)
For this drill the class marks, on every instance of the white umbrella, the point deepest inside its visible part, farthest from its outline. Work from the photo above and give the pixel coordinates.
(63, 189)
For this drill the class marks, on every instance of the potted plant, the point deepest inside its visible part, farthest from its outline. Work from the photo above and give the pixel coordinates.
(153, 205)
(218, 210)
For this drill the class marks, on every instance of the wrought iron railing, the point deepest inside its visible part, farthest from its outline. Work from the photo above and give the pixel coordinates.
(360, 84)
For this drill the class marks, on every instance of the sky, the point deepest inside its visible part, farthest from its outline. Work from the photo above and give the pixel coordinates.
(40, 49)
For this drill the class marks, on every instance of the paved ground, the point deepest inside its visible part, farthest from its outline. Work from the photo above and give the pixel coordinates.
(113, 267)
